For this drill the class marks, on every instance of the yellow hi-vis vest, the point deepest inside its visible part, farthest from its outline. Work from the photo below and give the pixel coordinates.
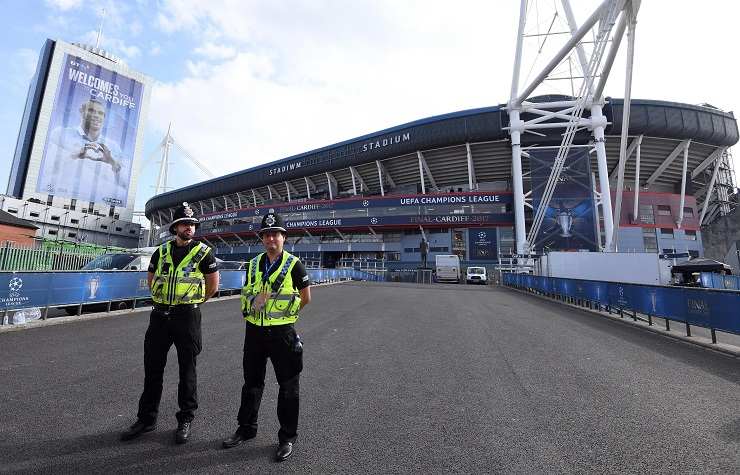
(184, 284)
(281, 308)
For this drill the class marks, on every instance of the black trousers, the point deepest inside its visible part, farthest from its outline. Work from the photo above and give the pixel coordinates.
(182, 329)
(282, 345)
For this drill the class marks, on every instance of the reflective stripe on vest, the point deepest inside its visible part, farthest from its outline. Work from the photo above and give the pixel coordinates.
(281, 308)
(184, 284)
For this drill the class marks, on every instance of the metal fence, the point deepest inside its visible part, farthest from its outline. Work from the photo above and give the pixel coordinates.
(47, 256)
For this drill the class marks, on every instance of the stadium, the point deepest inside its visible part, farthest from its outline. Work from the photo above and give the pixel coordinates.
(368, 201)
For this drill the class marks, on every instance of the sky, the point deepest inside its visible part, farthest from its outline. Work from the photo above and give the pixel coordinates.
(247, 82)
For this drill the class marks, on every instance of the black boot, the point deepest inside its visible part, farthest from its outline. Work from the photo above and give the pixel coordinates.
(243, 433)
(182, 433)
(284, 450)
(137, 428)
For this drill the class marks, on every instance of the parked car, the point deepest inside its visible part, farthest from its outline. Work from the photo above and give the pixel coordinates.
(135, 259)
(476, 275)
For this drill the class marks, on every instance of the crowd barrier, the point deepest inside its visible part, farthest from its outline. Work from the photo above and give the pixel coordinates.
(709, 308)
(710, 280)
(66, 288)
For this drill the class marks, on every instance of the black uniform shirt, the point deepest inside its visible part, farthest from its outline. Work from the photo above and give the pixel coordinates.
(208, 264)
(300, 277)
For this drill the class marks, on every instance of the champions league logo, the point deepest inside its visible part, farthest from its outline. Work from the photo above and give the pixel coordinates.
(482, 235)
(15, 284)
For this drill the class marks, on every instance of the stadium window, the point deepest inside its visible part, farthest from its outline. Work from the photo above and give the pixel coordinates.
(690, 235)
(688, 212)
(664, 210)
(649, 240)
(666, 232)
(13, 210)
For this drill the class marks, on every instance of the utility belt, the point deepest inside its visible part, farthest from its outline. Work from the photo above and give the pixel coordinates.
(182, 308)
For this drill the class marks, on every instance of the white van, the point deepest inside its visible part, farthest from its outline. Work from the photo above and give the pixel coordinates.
(447, 268)
(476, 275)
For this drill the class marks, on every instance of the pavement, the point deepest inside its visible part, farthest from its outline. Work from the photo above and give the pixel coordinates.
(398, 378)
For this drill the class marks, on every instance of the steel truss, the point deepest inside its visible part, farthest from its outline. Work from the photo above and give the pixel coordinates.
(610, 16)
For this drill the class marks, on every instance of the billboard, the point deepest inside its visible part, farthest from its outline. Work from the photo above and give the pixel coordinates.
(91, 139)
(482, 244)
(569, 223)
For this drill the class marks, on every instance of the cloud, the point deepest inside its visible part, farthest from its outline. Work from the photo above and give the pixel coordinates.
(115, 45)
(215, 52)
(64, 5)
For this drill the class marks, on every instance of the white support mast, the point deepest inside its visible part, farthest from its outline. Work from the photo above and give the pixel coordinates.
(595, 66)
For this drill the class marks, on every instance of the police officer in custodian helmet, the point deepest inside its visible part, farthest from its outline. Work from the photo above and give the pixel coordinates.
(182, 276)
(276, 288)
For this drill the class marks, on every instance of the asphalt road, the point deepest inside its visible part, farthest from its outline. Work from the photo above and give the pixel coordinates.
(398, 378)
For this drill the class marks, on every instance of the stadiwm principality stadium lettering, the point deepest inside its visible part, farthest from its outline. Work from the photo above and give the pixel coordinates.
(284, 168)
(385, 141)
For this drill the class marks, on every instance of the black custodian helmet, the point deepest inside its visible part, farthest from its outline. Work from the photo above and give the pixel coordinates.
(183, 214)
(272, 222)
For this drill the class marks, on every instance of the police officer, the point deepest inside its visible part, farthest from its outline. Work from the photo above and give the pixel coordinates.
(276, 288)
(182, 276)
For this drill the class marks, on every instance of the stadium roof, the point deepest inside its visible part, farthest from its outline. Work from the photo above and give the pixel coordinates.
(669, 123)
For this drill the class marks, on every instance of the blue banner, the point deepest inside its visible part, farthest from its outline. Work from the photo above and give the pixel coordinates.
(569, 223)
(89, 148)
(703, 307)
(42, 289)
(482, 244)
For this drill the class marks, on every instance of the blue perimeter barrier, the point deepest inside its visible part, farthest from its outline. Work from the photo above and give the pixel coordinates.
(710, 280)
(62, 288)
(710, 308)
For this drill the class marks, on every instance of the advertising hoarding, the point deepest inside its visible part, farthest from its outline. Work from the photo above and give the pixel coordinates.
(482, 244)
(91, 139)
(569, 223)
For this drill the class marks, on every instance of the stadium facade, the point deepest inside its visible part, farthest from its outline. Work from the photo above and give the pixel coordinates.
(448, 178)
(75, 168)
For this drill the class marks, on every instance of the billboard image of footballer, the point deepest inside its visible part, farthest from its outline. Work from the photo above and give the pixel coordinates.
(90, 144)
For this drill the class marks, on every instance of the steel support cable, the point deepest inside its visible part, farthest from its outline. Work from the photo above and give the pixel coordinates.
(194, 160)
(572, 128)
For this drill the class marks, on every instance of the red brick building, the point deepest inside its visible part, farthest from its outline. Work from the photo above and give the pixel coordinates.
(16, 230)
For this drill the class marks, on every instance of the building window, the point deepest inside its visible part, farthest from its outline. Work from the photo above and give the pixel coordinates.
(34, 214)
(649, 240)
(688, 212)
(53, 232)
(73, 204)
(693, 254)
(646, 214)
(119, 229)
(666, 232)
(133, 231)
(49, 200)
(55, 218)
(103, 226)
(664, 210)
(690, 235)
(13, 210)
(72, 234)
(74, 221)
(669, 250)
